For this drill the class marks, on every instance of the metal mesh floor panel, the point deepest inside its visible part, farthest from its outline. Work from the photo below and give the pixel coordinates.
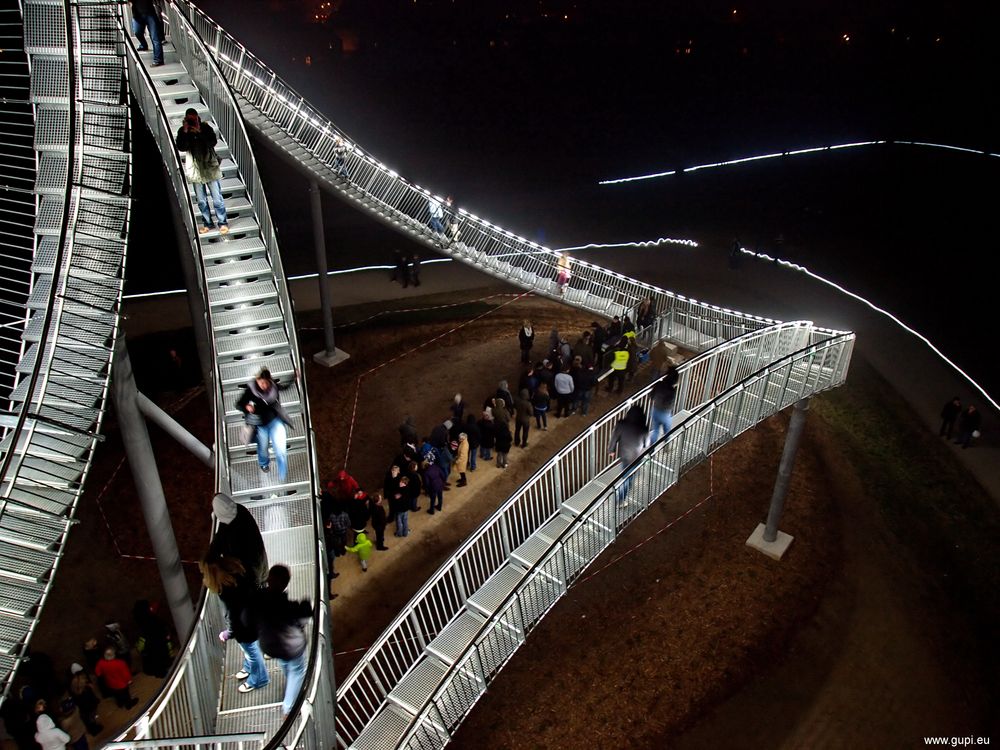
(456, 637)
(492, 593)
(418, 684)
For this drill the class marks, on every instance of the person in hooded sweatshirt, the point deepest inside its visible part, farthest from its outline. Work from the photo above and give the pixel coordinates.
(281, 632)
(627, 442)
(239, 536)
(261, 397)
(48, 735)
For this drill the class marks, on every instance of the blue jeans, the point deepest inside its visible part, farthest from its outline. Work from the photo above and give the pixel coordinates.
(253, 662)
(472, 459)
(661, 419)
(485, 453)
(152, 22)
(295, 673)
(274, 433)
(436, 225)
(403, 523)
(201, 190)
(584, 401)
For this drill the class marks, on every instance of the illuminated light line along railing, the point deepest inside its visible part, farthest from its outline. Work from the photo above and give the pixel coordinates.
(595, 527)
(882, 311)
(794, 152)
(444, 595)
(308, 136)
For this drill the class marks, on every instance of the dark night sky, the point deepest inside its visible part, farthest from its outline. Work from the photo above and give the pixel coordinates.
(518, 115)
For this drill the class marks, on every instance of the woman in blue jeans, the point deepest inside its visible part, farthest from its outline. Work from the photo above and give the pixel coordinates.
(261, 398)
(281, 628)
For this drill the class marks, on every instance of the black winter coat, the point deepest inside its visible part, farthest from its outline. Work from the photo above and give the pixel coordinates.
(241, 539)
(280, 624)
(503, 438)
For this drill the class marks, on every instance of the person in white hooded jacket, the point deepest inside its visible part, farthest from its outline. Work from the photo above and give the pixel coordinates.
(48, 736)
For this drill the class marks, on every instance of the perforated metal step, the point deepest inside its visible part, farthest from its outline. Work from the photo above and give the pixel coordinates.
(456, 637)
(491, 594)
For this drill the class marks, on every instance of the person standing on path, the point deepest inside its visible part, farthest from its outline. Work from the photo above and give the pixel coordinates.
(282, 634)
(949, 413)
(526, 340)
(434, 482)
(202, 168)
(662, 399)
(968, 426)
(362, 547)
(564, 392)
(540, 404)
(462, 459)
(619, 365)
(487, 434)
(503, 442)
(376, 506)
(522, 421)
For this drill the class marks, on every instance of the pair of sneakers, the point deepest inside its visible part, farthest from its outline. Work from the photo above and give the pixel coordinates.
(246, 688)
(223, 229)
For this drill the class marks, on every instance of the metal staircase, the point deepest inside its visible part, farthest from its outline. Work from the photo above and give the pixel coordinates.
(249, 318)
(66, 179)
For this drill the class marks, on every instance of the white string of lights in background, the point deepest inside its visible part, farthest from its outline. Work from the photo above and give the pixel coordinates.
(802, 269)
(640, 243)
(796, 152)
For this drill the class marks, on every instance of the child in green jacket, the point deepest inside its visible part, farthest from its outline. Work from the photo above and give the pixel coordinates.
(362, 547)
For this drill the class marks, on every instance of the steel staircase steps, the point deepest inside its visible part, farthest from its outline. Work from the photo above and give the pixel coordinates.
(385, 730)
(418, 684)
(45, 499)
(233, 270)
(249, 315)
(234, 294)
(67, 394)
(54, 447)
(498, 587)
(293, 547)
(168, 71)
(296, 435)
(20, 597)
(84, 356)
(267, 339)
(246, 478)
(47, 473)
(24, 562)
(240, 373)
(456, 637)
(239, 228)
(227, 248)
(78, 323)
(32, 529)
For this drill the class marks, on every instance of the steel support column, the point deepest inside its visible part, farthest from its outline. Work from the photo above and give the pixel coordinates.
(331, 355)
(142, 462)
(177, 431)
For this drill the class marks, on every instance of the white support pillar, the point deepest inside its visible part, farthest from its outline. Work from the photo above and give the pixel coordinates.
(331, 355)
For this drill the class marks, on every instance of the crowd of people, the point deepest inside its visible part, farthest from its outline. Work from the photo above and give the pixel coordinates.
(56, 709)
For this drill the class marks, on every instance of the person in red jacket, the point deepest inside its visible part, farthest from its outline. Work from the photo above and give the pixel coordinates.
(116, 677)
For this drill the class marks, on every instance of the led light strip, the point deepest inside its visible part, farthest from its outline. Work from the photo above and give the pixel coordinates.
(796, 152)
(640, 243)
(876, 308)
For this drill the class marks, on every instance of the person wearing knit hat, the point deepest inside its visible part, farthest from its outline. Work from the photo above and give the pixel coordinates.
(238, 536)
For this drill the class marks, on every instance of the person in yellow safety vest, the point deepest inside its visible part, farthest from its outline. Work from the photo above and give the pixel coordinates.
(618, 365)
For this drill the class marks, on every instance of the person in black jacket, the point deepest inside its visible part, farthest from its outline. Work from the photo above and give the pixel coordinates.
(261, 397)
(471, 430)
(949, 413)
(968, 425)
(203, 168)
(226, 577)
(377, 509)
(526, 339)
(359, 512)
(503, 442)
(239, 536)
(281, 630)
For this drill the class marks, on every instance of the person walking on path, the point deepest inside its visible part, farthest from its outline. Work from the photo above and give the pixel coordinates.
(627, 442)
(262, 396)
(662, 400)
(282, 634)
(949, 413)
(968, 426)
(362, 547)
(526, 340)
(436, 211)
(146, 16)
(487, 434)
(202, 168)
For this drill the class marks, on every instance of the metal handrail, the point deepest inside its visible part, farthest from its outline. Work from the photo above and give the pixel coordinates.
(699, 380)
(493, 248)
(605, 513)
(78, 200)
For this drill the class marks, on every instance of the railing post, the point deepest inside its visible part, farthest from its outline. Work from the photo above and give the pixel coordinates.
(331, 355)
(766, 537)
(142, 462)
